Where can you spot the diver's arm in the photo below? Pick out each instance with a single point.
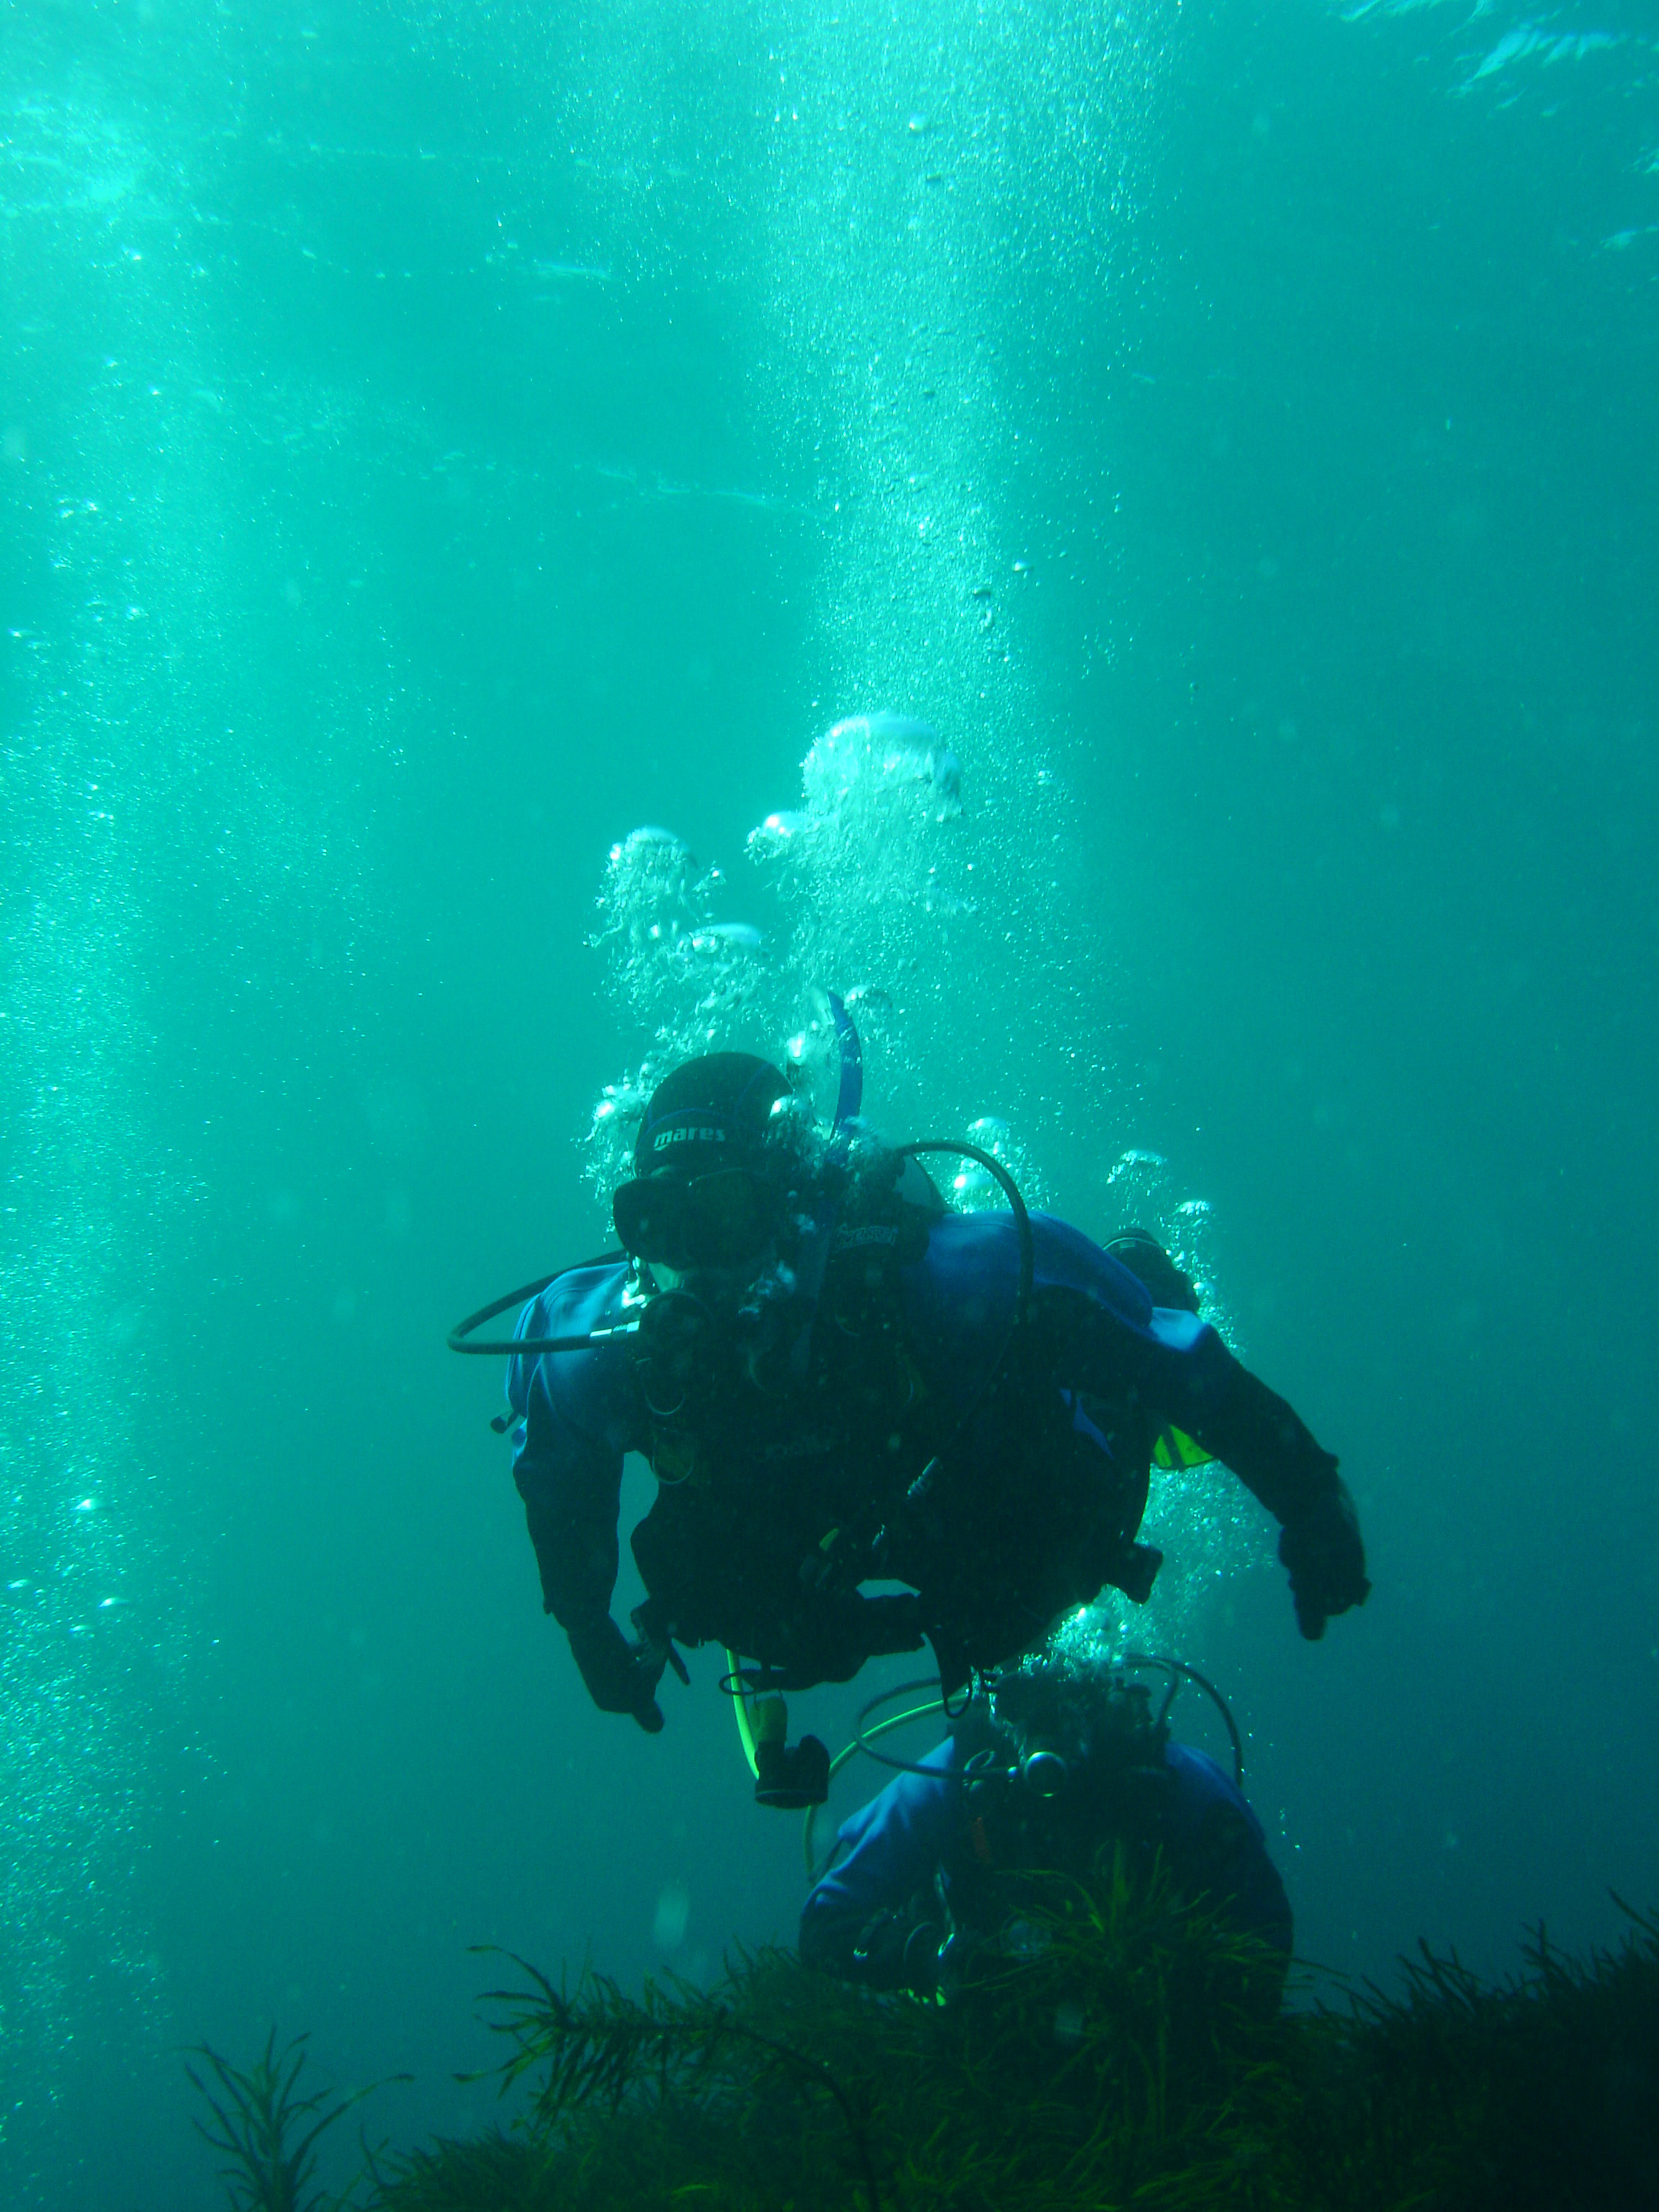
(1256, 1433)
(571, 1486)
(857, 1921)
(1176, 1365)
(1274, 1454)
(1180, 1368)
(570, 1480)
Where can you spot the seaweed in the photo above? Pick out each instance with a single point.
(266, 2130)
(488, 2173)
(602, 2046)
(1121, 2054)
(1541, 2091)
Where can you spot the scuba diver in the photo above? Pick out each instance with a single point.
(837, 1381)
(1065, 1765)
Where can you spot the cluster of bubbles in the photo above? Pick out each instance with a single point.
(671, 960)
(877, 859)
(685, 976)
(1196, 1515)
(1143, 1192)
(973, 1188)
(884, 776)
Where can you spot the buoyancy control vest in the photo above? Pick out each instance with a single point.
(776, 1447)
(786, 1484)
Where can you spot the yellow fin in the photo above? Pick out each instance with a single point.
(1176, 1448)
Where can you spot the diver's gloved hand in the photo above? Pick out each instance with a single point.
(620, 1677)
(1323, 1549)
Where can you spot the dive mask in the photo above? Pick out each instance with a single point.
(688, 1222)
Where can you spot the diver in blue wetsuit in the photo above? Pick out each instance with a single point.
(836, 1382)
(1068, 1767)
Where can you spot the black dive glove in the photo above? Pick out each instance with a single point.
(620, 1677)
(1322, 1548)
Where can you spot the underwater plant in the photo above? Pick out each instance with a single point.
(602, 2046)
(1536, 2095)
(1115, 2051)
(268, 2131)
(1118, 2042)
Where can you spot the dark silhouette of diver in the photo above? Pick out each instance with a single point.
(1063, 1767)
(838, 1381)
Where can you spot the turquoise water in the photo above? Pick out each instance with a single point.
(436, 441)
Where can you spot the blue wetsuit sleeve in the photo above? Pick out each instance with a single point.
(566, 1462)
(892, 1847)
(1106, 1333)
(1264, 1440)
(1217, 1849)
(1097, 1333)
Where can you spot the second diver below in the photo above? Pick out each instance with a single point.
(1062, 1772)
(837, 1381)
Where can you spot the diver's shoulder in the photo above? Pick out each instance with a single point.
(967, 1232)
(1061, 1247)
(997, 1226)
(1056, 1235)
(578, 1299)
(966, 1251)
(1202, 1781)
(1062, 1253)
